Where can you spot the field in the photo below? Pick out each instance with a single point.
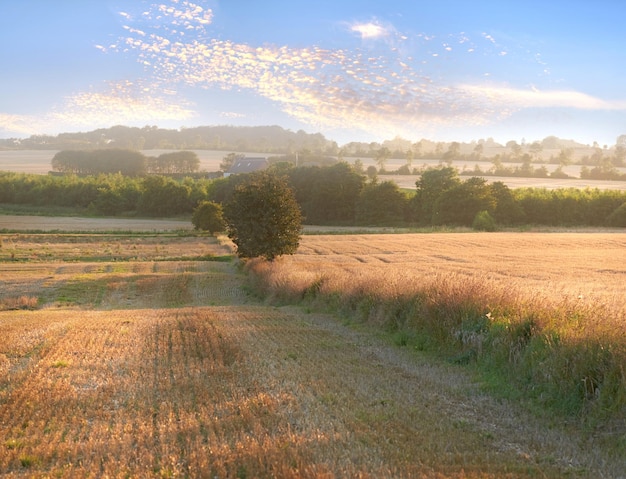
(38, 162)
(141, 355)
(583, 265)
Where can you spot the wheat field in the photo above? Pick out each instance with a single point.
(142, 356)
(588, 267)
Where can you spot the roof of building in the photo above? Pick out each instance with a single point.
(247, 165)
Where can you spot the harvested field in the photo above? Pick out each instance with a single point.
(143, 357)
(51, 223)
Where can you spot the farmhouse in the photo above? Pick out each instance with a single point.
(247, 165)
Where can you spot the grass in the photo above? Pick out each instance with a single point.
(479, 300)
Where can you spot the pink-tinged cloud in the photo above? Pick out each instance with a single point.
(118, 103)
(400, 84)
(534, 98)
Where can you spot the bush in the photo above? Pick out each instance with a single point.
(483, 221)
(208, 216)
(618, 217)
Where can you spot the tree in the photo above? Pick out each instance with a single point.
(381, 204)
(454, 152)
(507, 210)
(382, 155)
(263, 217)
(164, 196)
(208, 216)
(175, 162)
(460, 204)
(327, 195)
(229, 160)
(432, 184)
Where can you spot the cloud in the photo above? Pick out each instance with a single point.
(533, 98)
(407, 82)
(123, 102)
(370, 30)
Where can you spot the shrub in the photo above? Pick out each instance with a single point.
(483, 221)
(618, 217)
(208, 216)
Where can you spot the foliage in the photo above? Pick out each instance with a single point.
(263, 217)
(618, 217)
(332, 195)
(208, 216)
(125, 162)
(381, 204)
(163, 196)
(568, 206)
(483, 221)
(327, 195)
(507, 210)
(81, 162)
(432, 184)
(175, 162)
(459, 204)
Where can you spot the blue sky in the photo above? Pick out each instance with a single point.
(358, 70)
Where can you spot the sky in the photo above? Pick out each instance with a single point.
(362, 70)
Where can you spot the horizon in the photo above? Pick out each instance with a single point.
(352, 71)
(413, 141)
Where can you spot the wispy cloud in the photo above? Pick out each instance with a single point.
(406, 82)
(381, 87)
(371, 30)
(532, 97)
(123, 102)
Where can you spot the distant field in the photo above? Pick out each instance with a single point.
(38, 162)
(52, 223)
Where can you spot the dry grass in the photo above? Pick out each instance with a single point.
(544, 313)
(553, 265)
(164, 368)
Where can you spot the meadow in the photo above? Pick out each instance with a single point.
(143, 354)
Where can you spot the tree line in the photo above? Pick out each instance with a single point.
(330, 195)
(275, 140)
(125, 162)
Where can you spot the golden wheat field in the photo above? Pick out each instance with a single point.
(590, 267)
(141, 355)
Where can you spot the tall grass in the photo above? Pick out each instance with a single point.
(567, 356)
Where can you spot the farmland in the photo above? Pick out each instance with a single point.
(39, 162)
(140, 355)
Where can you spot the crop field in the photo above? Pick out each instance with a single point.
(141, 355)
(586, 266)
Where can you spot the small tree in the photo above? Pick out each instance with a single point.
(263, 217)
(208, 216)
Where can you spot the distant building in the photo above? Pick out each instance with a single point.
(247, 165)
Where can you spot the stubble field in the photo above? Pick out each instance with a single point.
(141, 356)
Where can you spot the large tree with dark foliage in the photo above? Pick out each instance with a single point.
(263, 217)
